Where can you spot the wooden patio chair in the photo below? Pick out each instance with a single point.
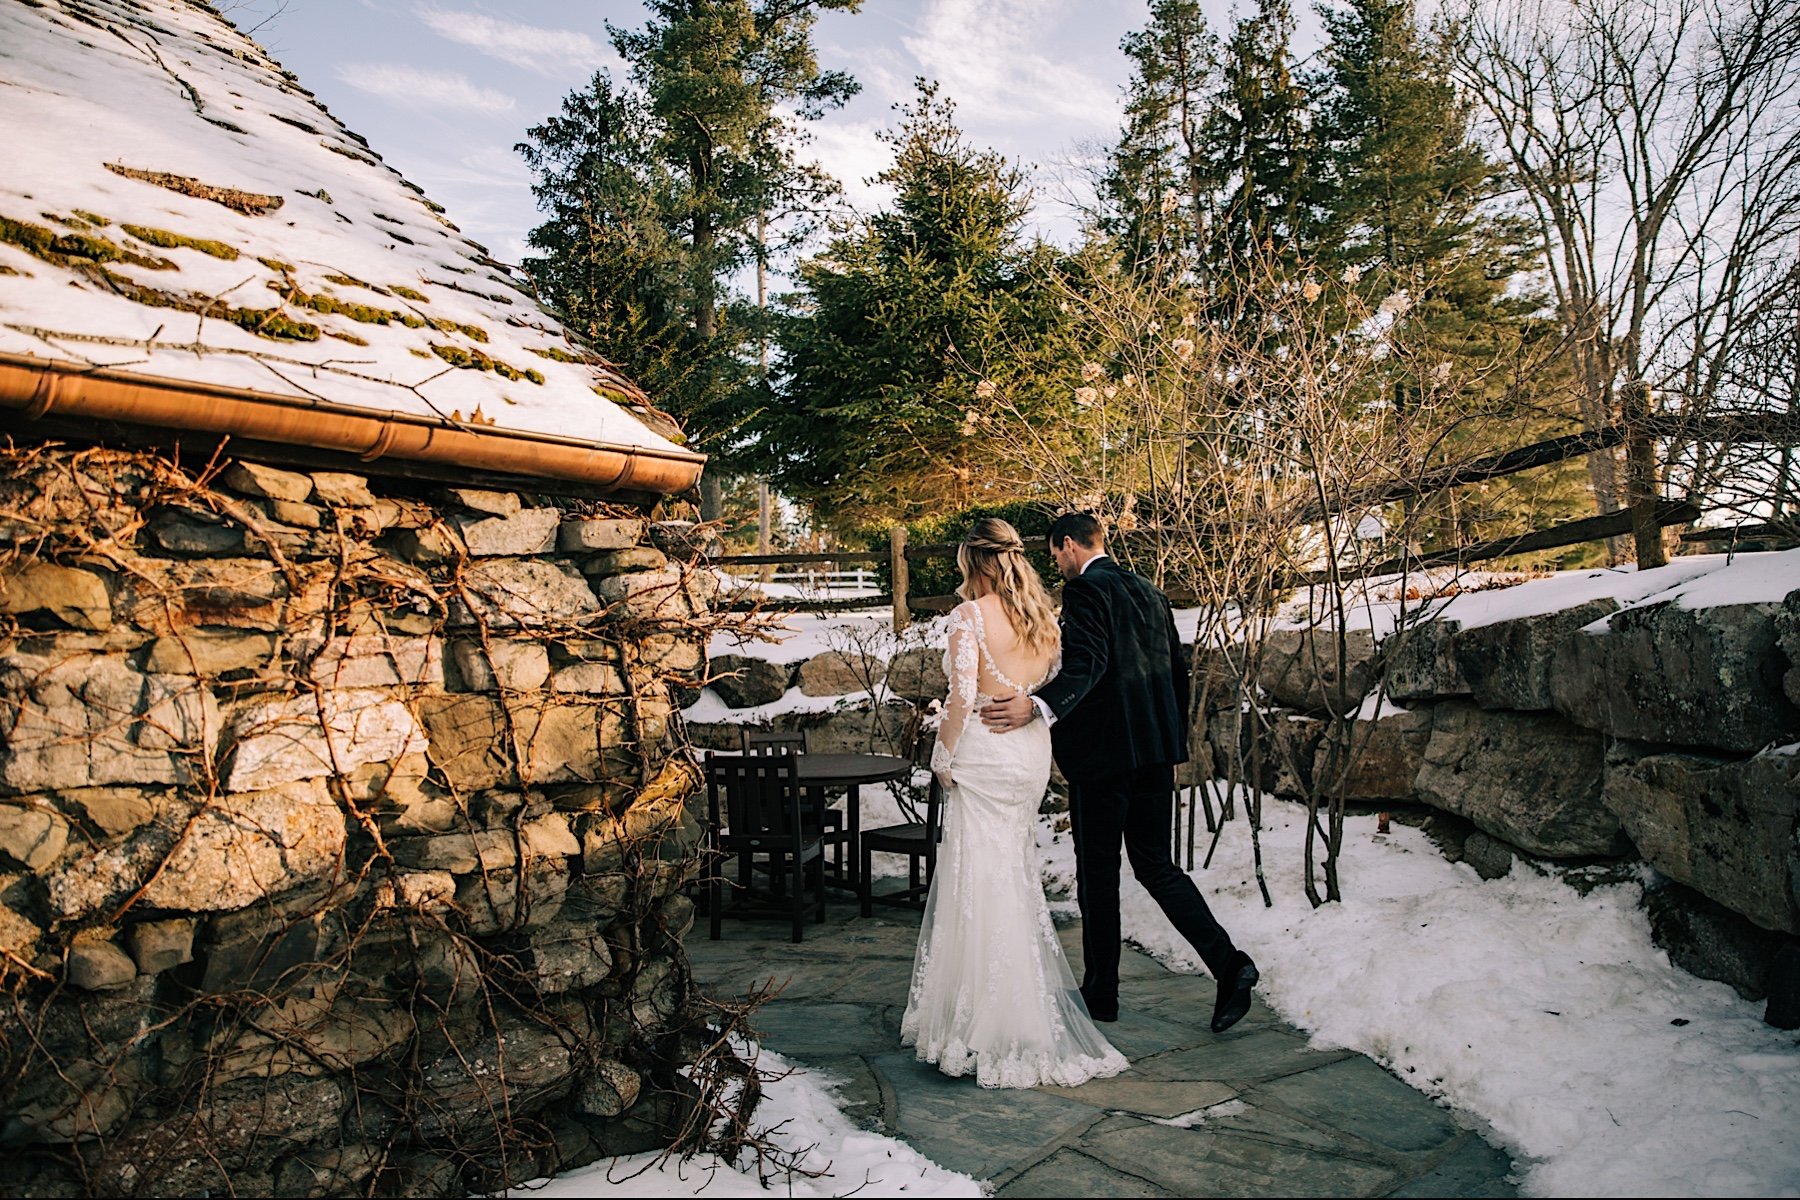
(918, 840)
(754, 808)
(831, 825)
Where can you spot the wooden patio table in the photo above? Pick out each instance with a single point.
(849, 771)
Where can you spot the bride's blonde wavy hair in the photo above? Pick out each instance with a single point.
(994, 555)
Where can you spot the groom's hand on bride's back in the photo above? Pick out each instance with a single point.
(1008, 713)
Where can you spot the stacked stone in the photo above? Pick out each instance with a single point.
(884, 720)
(1587, 734)
(342, 827)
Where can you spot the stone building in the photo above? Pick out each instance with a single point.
(343, 807)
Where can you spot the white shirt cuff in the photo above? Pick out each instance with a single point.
(1044, 711)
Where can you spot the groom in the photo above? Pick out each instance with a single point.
(1118, 723)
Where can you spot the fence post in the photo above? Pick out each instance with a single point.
(897, 570)
(1641, 491)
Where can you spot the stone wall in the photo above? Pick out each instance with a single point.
(342, 827)
(1658, 733)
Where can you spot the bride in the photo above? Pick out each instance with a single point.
(991, 991)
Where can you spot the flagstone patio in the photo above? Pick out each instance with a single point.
(1252, 1111)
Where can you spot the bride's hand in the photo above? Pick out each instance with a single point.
(943, 778)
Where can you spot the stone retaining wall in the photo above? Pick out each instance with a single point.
(342, 824)
(1662, 733)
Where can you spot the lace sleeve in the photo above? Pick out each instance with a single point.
(962, 664)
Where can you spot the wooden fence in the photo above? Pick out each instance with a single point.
(1771, 428)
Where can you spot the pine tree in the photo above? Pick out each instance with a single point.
(654, 193)
(905, 331)
(1406, 198)
(1153, 195)
(1256, 145)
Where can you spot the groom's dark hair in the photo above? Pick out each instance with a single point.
(1083, 527)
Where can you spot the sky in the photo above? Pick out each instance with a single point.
(443, 89)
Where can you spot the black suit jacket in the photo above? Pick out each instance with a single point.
(1121, 699)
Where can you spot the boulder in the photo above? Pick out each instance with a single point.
(581, 536)
(1531, 779)
(508, 593)
(1707, 677)
(80, 720)
(267, 483)
(532, 531)
(273, 741)
(745, 682)
(1385, 756)
(1707, 939)
(1419, 664)
(918, 675)
(568, 957)
(1491, 857)
(498, 900)
(72, 595)
(1787, 636)
(515, 1071)
(867, 729)
(1723, 828)
(1299, 668)
(836, 673)
(1510, 664)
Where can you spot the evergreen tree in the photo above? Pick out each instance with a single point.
(1256, 146)
(1153, 196)
(909, 328)
(1406, 198)
(654, 195)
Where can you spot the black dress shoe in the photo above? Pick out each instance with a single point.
(1108, 1015)
(1234, 995)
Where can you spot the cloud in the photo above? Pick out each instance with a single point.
(850, 151)
(419, 87)
(990, 56)
(532, 47)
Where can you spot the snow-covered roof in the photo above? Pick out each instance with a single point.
(174, 204)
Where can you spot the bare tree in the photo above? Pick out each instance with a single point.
(1658, 145)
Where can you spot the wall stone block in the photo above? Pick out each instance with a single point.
(1526, 778)
(73, 595)
(1709, 677)
(509, 593)
(1726, 828)
(580, 536)
(532, 531)
(81, 721)
(275, 741)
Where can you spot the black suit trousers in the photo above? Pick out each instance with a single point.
(1134, 807)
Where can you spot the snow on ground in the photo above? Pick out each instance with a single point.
(801, 1114)
(797, 637)
(1549, 1015)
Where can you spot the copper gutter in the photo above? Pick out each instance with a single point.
(39, 386)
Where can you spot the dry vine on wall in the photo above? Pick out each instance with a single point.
(343, 835)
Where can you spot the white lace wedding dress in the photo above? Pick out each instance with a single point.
(992, 993)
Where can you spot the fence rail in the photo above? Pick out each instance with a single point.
(1722, 427)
